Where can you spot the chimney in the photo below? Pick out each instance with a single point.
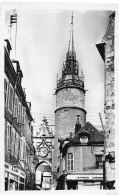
(15, 65)
(77, 125)
(70, 134)
(29, 105)
(7, 46)
(24, 93)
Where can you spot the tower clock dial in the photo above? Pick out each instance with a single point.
(43, 151)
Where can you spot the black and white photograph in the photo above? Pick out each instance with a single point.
(59, 97)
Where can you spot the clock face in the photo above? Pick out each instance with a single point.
(43, 151)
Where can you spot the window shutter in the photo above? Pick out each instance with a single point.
(12, 141)
(63, 164)
(19, 112)
(8, 135)
(16, 145)
(16, 107)
(20, 154)
(10, 102)
(24, 150)
(5, 91)
(23, 115)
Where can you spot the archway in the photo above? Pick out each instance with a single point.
(43, 178)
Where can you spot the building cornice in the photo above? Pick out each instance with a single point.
(71, 107)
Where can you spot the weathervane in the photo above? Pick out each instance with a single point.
(72, 19)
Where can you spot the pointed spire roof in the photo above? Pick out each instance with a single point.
(71, 69)
(71, 50)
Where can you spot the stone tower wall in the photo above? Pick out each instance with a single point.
(65, 120)
(70, 97)
(69, 104)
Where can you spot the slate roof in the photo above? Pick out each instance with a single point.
(84, 132)
(95, 136)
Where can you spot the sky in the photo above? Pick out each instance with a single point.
(41, 46)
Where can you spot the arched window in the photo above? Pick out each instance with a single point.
(70, 162)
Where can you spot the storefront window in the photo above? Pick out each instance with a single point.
(21, 186)
(6, 184)
(72, 185)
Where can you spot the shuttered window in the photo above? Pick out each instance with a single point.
(16, 145)
(8, 136)
(16, 107)
(19, 112)
(5, 91)
(70, 162)
(23, 115)
(24, 150)
(10, 99)
(21, 151)
(12, 141)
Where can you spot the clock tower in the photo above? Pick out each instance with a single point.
(70, 98)
(43, 143)
(43, 140)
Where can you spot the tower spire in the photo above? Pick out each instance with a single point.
(71, 39)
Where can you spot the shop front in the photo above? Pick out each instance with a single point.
(81, 181)
(14, 178)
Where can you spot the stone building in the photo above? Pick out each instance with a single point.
(43, 143)
(107, 52)
(70, 98)
(18, 131)
(81, 159)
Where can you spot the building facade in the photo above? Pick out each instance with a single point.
(70, 98)
(107, 51)
(19, 174)
(43, 142)
(81, 159)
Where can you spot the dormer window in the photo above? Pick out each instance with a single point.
(84, 137)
